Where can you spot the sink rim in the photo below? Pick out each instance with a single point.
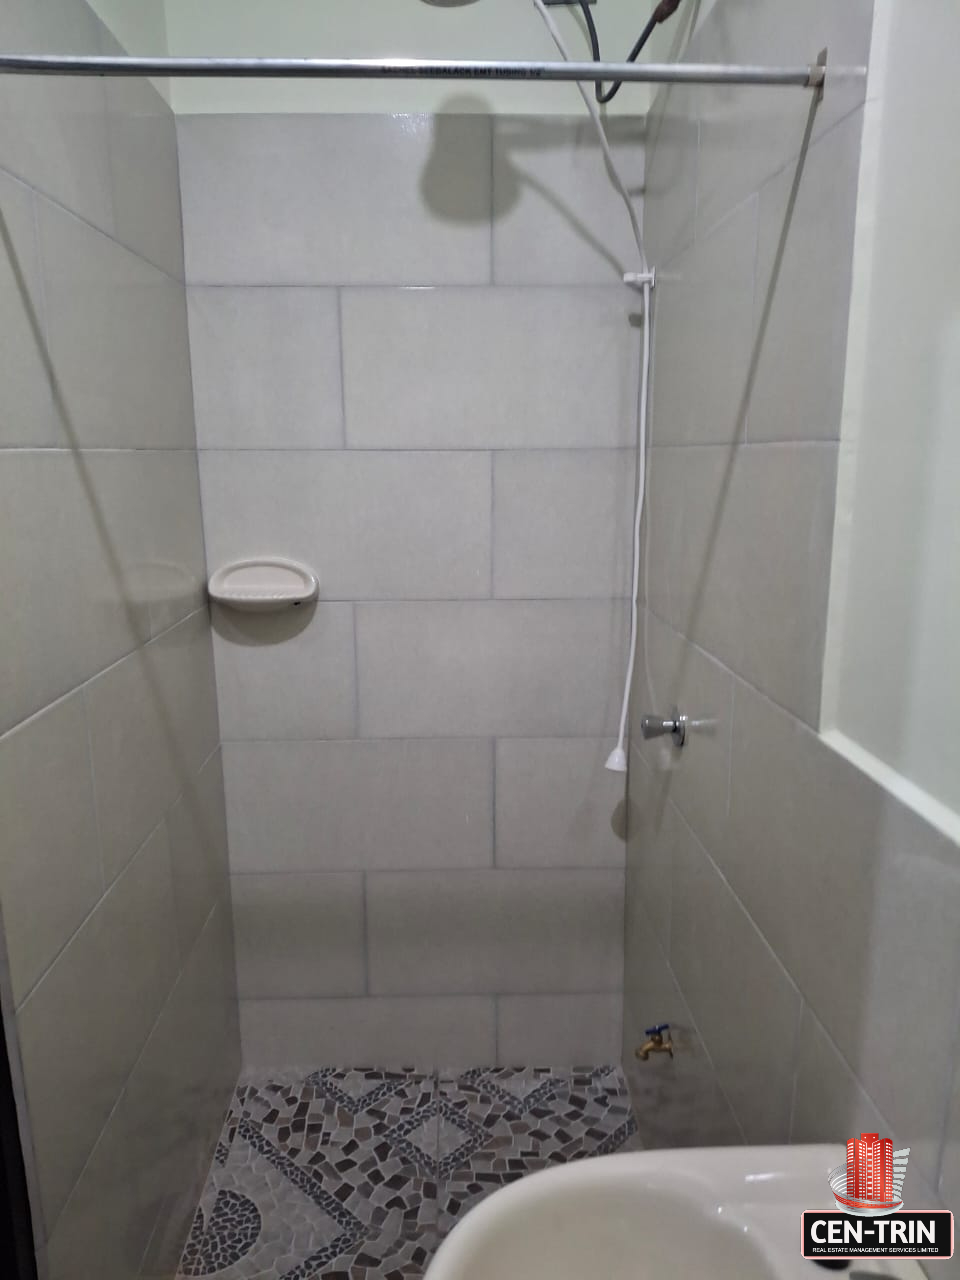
(766, 1185)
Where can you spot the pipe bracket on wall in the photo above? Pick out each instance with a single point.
(264, 586)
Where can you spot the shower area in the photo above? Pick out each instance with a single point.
(321, 923)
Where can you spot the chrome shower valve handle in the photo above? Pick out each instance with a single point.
(674, 726)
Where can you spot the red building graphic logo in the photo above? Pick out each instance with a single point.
(872, 1182)
(870, 1167)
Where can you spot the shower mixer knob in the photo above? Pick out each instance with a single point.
(674, 726)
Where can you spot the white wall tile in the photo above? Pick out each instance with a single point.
(371, 525)
(523, 668)
(950, 1173)
(179, 1090)
(299, 935)
(557, 806)
(654, 831)
(512, 932)
(423, 1032)
(670, 180)
(557, 217)
(55, 134)
(338, 806)
(872, 892)
(804, 271)
(41, 514)
(677, 1102)
(563, 523)
(718, 957)
(111, 541)
(675, 673)
(490, 368)
(704, 332)
(118, 341)
(260, 207)
(829, 1103)
(286, 675)
(748, 133)
(199, 857)
(49, 529)
(150, 1161)
(266, 368)
(126, 953)
(50, 874)
(153, 722)
(105, 1217)
(144, 506)
(564, 1031)
(740, 559)
(144, 168)
(27, 417)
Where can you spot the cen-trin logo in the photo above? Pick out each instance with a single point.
(870, 1221)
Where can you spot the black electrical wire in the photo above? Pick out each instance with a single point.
(660, 14)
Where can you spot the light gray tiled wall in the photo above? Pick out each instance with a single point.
(118, 983)
(792, 918)
(415, 368)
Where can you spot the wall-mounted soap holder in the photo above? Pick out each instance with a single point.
(263, 586)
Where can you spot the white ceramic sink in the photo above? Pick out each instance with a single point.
(723, 1212)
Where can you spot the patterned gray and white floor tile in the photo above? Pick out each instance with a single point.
(358, 1174)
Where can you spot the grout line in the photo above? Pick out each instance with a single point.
(455, 450)
(84, 710)
(84, 449)
(436, 995)
(93, 911)
(718, 872)
(356, 674)
(413, 601)
(89, 680)
(493, 801)
(733, 713)
(606, 739)
(40, 194)
(610, 285)
(366, 935)
(741, 679)
(607, 870)
(343, 376)
(51, 1227)
(492, 134)
(493, 523)
(109, 887)
(753, 446)
(795, 1084)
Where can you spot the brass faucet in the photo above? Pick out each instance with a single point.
(655, 1042)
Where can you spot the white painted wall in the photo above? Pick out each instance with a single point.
(891, 687)
(389, 28)
(139, 25)
(142, 30)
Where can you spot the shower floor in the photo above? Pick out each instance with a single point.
(359, 1174)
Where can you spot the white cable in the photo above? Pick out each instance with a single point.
(617, 760)
(594, 111)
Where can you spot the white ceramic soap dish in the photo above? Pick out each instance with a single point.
(263, 586)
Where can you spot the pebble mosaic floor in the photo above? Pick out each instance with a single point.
(358, 1174)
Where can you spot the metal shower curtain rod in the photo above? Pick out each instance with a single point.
(804, 77)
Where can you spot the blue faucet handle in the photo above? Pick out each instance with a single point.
(657, 1031)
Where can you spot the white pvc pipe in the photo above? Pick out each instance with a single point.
(617, 760)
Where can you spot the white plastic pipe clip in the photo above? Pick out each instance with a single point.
(637, 279)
